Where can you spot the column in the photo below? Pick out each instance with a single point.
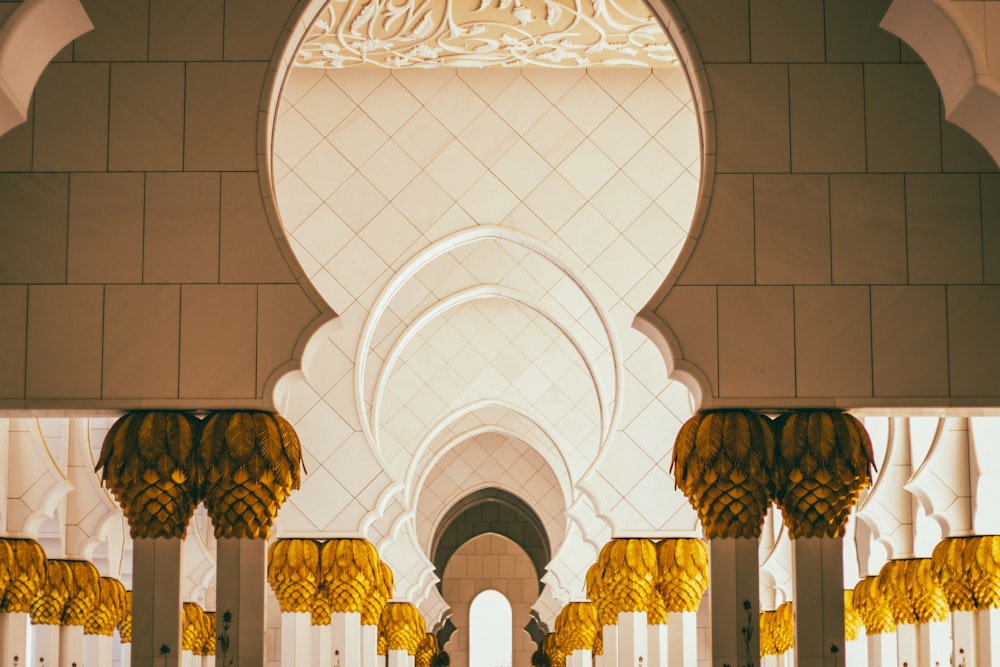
(126, 654)
(252, 463)
(576, 633)
(880, 628)
(632, 639)
(13, 637)
(296, 639)
(346, 632)
(723, 462)
(26, 562)
(964, 643)
(399, 658)
(609, 657)
(917, 601)
(682, 639)
(988, 631)
(293, 571)
(682, 582)
(823, 460)
(322, 646)
(369, 645)
(855, 651)
(71, 645)
(240, 581)
(403, 627)
(580, 658)
(158, 508)
(657, 642)
(97, 651)
(45, 645)
(156, 601)
(818, 576)
(734, 572)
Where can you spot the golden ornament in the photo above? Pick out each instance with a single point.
(193, 627)
(784, 629)
(125, 622)
(208, 634)
(403, 627)
(912, 592)
(872, 607)
(293, 572)
(110, 607)
(629, 573)
(251, 462)
(823, 462)
(607, 613)
(852, 619)
(576, 627)
(556, 653)
(349, 573)
(982, 562)
(6, 563)
(683, 568)
(377, 598)
(26, 574)
(949, 568)
(48, 606)
(768, 633)
(426, 651)
(722, 462)
(85, 597)
(150, 464)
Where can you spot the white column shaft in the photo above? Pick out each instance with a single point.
(610, 657)
(188, 659)
(13, 638)
(322, 646)
(369, 645)
(657, 642)
(632, 639)
(907, 649)
(71, 645)
(988, 632)
(45, 645)
(156, 602)
(734, 580)
(964, 643)
(882, 650)
(580, 658)
(933, 643)
(682, 639)
(296, 640)
(818, 599)
(856, 652)
(97, 649)
(125, 654)
(398, 658)
(241, 576)
(346, 639)
(768, 661)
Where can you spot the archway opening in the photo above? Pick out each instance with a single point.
(491, 637)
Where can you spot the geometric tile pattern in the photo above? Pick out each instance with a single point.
(486, 238)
